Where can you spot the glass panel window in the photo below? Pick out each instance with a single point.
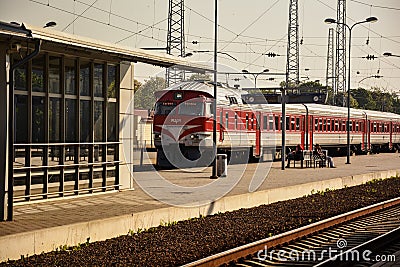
(70, 76)
(98, 80)
(38, 74)
(21, 119)
(192, 108)
(112, 122)
(54, 120)
(84, 79)
(70, 120)
(236, 121)
(98, 121)
(38, 119)
(226, 120)
(112, 74)
(265, 122)
(54, 75)
(271, 123)
(85, 121)
(20, 78)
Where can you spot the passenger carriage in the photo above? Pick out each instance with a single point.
(183, 126)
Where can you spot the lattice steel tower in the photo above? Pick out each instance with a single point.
(292, 65)
(330, 70)
(341, 51)
(175, 39)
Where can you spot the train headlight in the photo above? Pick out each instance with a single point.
(194, 136)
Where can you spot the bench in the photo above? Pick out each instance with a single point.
(319, 161)
(310, 159)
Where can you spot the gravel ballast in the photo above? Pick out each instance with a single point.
(181, 242)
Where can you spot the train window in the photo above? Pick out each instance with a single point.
(165, 108)
(226, 120)
(293, 124)
(236, 121)
(375, 128)
(328, 125)
(344, 126)
(277, 122)
(247, 121)
(351, 126)
(221, 118)
(357, 127)
(271, 123)
(193, 108)
(297, 124)
(252, 121)
(336, 125)
(315, 124)
(265, 122)
(288, 123)
(324, 125)
(209, 110)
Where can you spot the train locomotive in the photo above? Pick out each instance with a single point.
(183, 126)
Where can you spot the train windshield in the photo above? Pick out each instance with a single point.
(192, 108)
(165, 108)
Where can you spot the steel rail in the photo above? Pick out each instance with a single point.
(252, 248)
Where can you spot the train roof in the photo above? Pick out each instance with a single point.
(225, 92)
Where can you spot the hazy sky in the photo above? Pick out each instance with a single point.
(248, 29)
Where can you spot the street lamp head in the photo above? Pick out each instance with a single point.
(245, 71)
(371, 19)
(387, 54)
(330, 21)
(266, 70)
(188, 54)
(50, 24)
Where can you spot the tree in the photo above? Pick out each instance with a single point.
(144, 95)
(136, 85)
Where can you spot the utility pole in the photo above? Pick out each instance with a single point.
(330, 70)
(341, 51)
(292, 67)
(175, 39)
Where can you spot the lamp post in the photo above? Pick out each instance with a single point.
(255, 75)
(218, 52)
(388, 54)
(330, 21)
(372, 76)
(214, 166)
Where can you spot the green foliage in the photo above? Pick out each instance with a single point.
(376, 99)
(144, 95)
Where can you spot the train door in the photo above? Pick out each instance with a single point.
(258, 135)
(391, 135)
(369, 123)
(364, 142)
(303, 129)
(311, 132)
(221, 125)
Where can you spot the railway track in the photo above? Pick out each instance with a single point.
(358, 238)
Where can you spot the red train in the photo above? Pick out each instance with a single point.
(183, 124)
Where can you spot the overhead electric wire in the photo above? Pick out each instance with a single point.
(66, 27)
(383, 7)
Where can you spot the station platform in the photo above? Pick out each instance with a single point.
(43, 226)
